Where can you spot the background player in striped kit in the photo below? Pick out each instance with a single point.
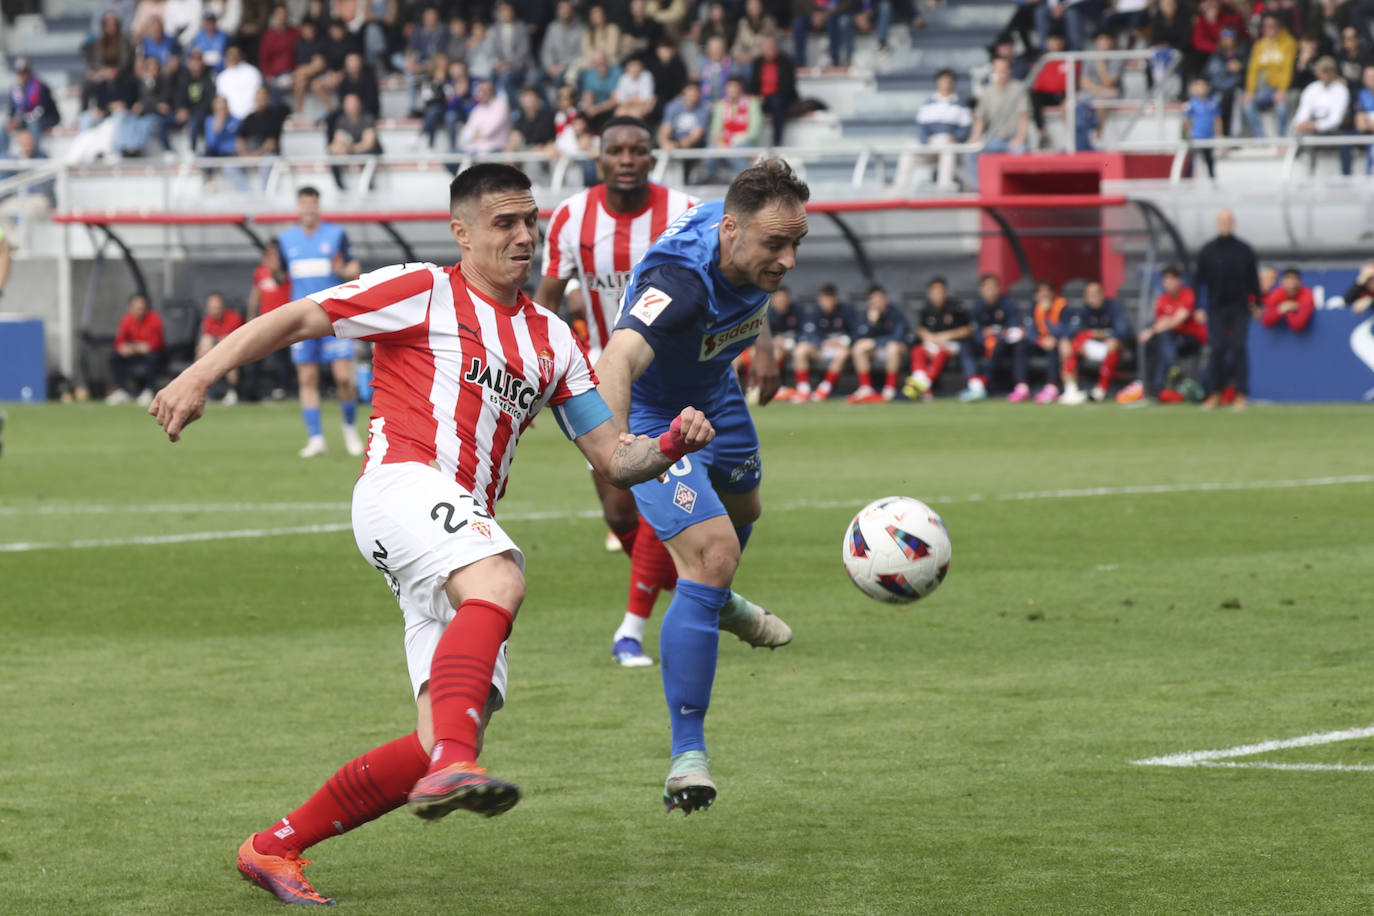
(317, 257)
(597, 236)
(465, 343)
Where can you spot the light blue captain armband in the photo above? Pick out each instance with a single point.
(581, 413)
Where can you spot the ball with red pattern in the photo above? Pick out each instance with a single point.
(897, 550)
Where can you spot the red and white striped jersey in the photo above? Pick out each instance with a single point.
(588, 241)
(455, 378)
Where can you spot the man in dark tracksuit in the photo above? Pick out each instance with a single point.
(1226, 266)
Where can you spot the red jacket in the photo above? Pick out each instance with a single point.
(1296, 320)
(148, 331)
(1167, 306)
(277, 52)
(1207, 34)
(229, 322)
(1055, 77)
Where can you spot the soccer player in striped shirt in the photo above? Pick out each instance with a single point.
(596, 237)
(463, 360)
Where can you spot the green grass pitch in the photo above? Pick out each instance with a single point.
(161, 697)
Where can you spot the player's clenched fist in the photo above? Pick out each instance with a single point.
(180, 403)
(690, 432)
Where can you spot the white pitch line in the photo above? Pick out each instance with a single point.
(169, 508)
(1208, 758)
(1015, 496)
(189, 537)
(224, 508)
(1308, 767)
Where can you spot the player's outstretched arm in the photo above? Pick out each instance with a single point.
(183, 401)
(626, 459)
(763, 368)
(625, 358)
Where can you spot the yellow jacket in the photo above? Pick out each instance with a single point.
(1275, 57)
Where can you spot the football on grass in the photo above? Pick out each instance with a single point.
(897, 550)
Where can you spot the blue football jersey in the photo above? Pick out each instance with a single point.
(310, 258)
(696, 320)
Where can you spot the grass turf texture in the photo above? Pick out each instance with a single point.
(967, 754)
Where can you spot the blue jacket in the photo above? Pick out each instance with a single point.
(1002, 315)
(890, 326)
(221, 143)
(817, 325)
(1110, 317)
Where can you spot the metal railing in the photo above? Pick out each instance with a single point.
(1155, 102)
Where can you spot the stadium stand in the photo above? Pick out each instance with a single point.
(889, 211)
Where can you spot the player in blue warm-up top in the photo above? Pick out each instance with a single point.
(317, 257)
(695, 301)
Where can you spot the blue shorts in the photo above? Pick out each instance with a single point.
(730, 464)
(321, 350)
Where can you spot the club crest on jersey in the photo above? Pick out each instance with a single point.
(513, 394)
(747, 329)
(684, 497)
(545, 365)
(482, 528)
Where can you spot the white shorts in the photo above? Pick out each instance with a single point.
(832, 347)
(417, 525)
(1094, 351)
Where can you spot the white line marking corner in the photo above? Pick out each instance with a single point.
(1222, 758)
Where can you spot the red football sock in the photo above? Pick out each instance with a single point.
(937, 365)
(865, 380)
(651, 571)
(627, 540)
(460, 678)
(802, 377)
(918, 358)
(830, 376)
(362, 790)
(1108, 368)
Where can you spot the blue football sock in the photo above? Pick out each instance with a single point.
(743, 535)
(687, 644)
(311, 415)
(350, 411)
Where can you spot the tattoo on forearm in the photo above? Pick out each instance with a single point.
(633, 462)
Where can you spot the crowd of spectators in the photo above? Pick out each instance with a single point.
(1261, 68)
(516, 74)
(1256, 67)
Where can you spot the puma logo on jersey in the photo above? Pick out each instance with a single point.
(507, 387)
(747, 329)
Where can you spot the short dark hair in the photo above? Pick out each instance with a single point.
(770, 181)
(828, 289)
(986, 277)
(308, 190)
(938, 278)
(1047, 283)
(876, 288)
(628, 121)
(1171, 271)
(475, 182)
(1293, 271)
(946, 72)
(1088, 283)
